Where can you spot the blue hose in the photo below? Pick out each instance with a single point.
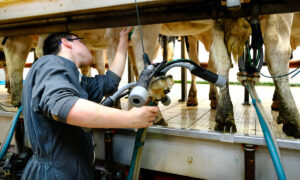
(270, 144)
(137, 145)
(11, 133)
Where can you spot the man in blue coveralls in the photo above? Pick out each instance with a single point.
(58, 103)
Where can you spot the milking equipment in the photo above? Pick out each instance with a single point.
(153, 74)
(152, 88)
(138, 95)
(249, 74)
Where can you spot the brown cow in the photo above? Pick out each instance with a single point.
(277, 33)
(17, 48)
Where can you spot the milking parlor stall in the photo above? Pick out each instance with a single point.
(229, 130)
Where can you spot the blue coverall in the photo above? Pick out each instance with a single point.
(61, 151)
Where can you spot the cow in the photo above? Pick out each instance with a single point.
(16, 50)
(276, 32)
(102, 42)
(196, 30)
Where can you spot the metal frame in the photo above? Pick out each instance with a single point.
(183, 71)
(203, 154)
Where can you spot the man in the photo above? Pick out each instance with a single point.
(58, 103)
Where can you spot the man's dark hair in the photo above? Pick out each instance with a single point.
(2, 55)
(53, 42)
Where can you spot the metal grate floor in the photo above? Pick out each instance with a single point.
(178, 115)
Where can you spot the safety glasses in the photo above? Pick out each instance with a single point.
(73, 39)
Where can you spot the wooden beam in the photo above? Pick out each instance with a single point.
(151, 12)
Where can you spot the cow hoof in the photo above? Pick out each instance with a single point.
(161, 122)
(8, 88)
(225, 124)
(189, 103)
(192, 97)
(192, 102)
(213, 104)
(274, 106)
(291, 129)
(16, 103)
(228, 127)
(280, 119)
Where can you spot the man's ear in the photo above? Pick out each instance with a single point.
(66, 43)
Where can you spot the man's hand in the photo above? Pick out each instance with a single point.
(124, 41)
(118, 63)
(144, 116)
(88, 114)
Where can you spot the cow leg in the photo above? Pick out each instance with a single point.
(133, 62)
(160, 120)
(192, 96)
(221, 59)
(40, 43)
(275, 102)
(99, 60)
(171, 47)
(193, 55)
(99, 57)
(278, 50)
(7, 83)
(86, 70)
(3, 64)
(213, 92)
(206, 39)
(150, 39)
(112, 37)
(16, 50)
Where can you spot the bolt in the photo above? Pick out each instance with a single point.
(190, 160)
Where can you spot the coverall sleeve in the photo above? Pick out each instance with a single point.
(100, 85)
(53, 92)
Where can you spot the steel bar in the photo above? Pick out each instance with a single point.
(249, 151)
(183, 71)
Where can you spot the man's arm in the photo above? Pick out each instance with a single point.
(119, 61)
(100, 85)
(88, 114)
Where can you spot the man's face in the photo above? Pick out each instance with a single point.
(81, 52)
